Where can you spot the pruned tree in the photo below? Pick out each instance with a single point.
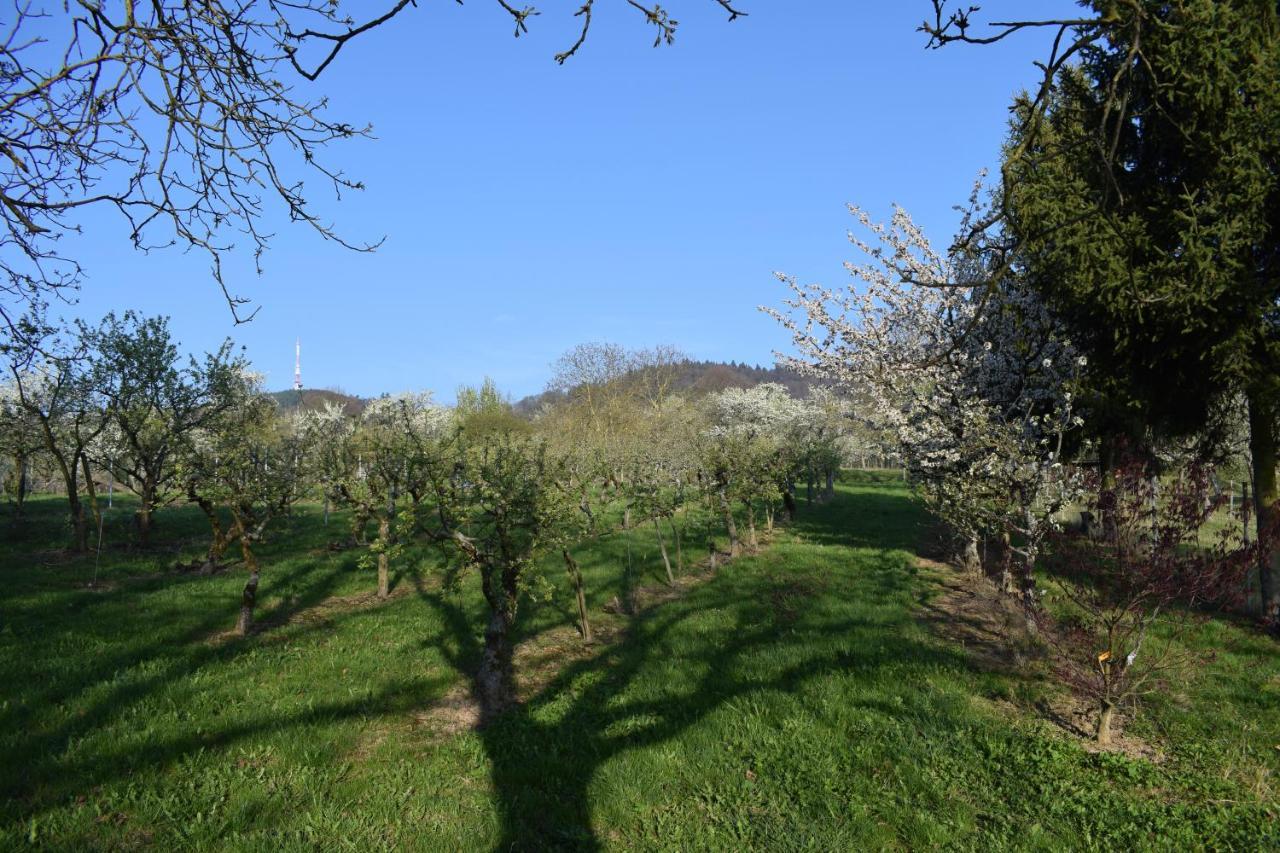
(398, 440)
(154, 397)
(55, 384)
(500, 507)
(252, 463)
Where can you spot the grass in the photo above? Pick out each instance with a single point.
(793, 700)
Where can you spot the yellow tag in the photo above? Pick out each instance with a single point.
(1103, 657)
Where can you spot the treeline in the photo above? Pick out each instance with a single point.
(698, 378)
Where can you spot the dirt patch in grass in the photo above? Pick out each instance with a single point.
(972, 613)
(539, 659)
(991, 629)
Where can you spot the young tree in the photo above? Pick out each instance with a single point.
(255, 474)
(1127, 601)
(153, 400)
(398, 440)
(745, 450)
(499, 507)
(20, 441)
(56, 386)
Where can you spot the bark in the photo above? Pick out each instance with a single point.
(768, 518)
(92, 493)
(79, 524)
(675, 533)
(495, 682)
(789, 504)
(249, 597)
(662, 546)
(732, 528)
(752, 542)
(21, 461)
(1263, 414)
(146, 511)
(970, 561)
(384, 574)
(359, 525)
(579, 591)
(70, 479)
(1104, 724)
(1006, 565)
(808, 490)
(626, 517)
(219, 540)
(830, 492)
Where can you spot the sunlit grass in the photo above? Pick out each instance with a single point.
(791, 701)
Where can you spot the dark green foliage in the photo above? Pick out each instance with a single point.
(1145, 207)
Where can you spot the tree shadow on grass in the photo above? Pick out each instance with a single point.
(671, 671)
(175, 646)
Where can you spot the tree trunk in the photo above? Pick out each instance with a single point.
(1104, 724)
(1263, 414)
(675, 534)
(218, 540)
(830, 493)
(662, 546)
(359, 523)
(21, 462)
(575, 578)
(249, 597)
(730, 526)
(79, 524)
(1107, 486)
(1006, 565)
(626, 517)
(970, 561)
(384, 540)
(495, 681)
(146, 510)
(789, 503)
(751, 526)
(808, 490)
(92, 493)
(768, 517)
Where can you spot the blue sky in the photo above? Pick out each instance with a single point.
(635, 195)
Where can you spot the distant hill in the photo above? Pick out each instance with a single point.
(701, 377)
(311, 399)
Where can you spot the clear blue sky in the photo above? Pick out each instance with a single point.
(635, 195)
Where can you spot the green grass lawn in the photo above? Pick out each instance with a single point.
(792, 701)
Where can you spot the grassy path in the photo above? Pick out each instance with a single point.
(793, 701)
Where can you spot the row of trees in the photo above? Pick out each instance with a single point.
(500, 494)
(1101, 333)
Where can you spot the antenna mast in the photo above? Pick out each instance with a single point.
(297, 365)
